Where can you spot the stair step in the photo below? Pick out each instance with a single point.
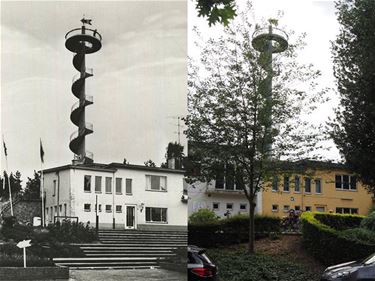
(116, 267)
(129, 255)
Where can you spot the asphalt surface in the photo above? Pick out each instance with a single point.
(126, 275)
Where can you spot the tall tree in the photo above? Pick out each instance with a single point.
(231, 118)
(221, 11)
(15, 184)
(354, 67)
(32, 189)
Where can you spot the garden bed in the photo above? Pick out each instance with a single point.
(34, 273)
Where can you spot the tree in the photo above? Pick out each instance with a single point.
(15, 184)
(150, 163)
(216, 10)
(229, 121)
(174, 151)
(353, 129)
(32, 189)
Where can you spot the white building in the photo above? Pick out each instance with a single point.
(223, 199)
(123, 196)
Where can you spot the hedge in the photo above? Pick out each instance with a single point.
(230, 231)
(330, 245)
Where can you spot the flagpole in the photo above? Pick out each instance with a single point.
(42, 190)
(6, 171)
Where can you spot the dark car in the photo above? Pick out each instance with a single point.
(200, 266)
(351, 271)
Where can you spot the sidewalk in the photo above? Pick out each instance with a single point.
(126, 275)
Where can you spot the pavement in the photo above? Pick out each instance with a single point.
(126, 275)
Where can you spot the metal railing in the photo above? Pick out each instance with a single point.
(88, 72)
(88, 31)
(76, 134)
(79, 103)
(275, 31)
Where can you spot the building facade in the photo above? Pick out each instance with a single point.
(123, 196)
(323, 187)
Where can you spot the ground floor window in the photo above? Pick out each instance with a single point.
(275, 208)
(308, 208)
(286, 208)
(321, 209)
(342, 210)
(215, 206)
(87, 207)
(108, 208)
(118, 208)
(243, 207)
(156, 214)
(229, 206)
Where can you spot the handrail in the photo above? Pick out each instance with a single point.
(89, 71)
(275, 31)
(76, 134)
(79, 103)
(74, 32)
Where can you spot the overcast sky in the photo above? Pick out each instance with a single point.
(315, 18)
(139, 81)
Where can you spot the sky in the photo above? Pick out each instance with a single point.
(315, 18)
(139, 82)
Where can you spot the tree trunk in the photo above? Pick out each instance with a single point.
(251, 248)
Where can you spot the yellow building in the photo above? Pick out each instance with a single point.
(324, 187)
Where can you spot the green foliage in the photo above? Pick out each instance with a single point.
(369, 222)
(203, 216)
(15, 184)
(150, 163)
(32, 189)
(354, 68)
(240, 266)
(233, 230)
(359, 235)
(72, 232)
(216, 10)
(331, 246)
(339, 221)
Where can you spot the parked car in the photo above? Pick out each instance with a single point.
(200, 267)
(351, 271)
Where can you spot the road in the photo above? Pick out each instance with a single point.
(126, 275)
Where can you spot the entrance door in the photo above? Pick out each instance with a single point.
(130, 217)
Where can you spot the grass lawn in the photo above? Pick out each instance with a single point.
(282, 259)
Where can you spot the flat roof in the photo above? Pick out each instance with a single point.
(112, 167)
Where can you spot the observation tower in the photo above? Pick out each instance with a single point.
(81, 41)
(269, 41)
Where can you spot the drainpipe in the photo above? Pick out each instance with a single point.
(113, 201)
(58, 193)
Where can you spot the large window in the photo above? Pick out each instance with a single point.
(342, 210)
(156, 183)
(228, 177)
(346, 182)
(98, 184)
(275, 184)
(54, 188)
(286, 184)
(156, 214)
(118, 185)
(307, 185)
(318, 186)
(87, 183)
(128, 187)
(297, 184)
(108, 185)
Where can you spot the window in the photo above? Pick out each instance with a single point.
(275, 184)
(297, 187)
(275, 208)
(286, 208)
(87, 183)
(286, 184)
(215, 206)
(129, 189)
(118, 185)
(297, 208)
(156, 214)
(229, 206)
(108, 208)
(87, 207)
(118, 209)
(308, 208)
(98, 184)
(346, 182)
(156, 183)
(320, 209)
(108, 185)
(307, 185)
(243, 207)
(99, 208)
(64, 209)
(60, 209)
(318, 186)
(341, 210)
(54, 188)
(228, 177)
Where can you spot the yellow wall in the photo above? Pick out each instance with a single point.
(330, 198)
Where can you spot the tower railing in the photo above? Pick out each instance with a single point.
(78, 31)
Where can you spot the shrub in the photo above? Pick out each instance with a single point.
(369, 222)
(203, 216)
(72, 232)
(230, 231)
(329, 245)
(360, 235)
(339, 221)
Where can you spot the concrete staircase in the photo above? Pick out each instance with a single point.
(127, 249)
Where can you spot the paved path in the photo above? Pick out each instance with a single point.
(126, 275)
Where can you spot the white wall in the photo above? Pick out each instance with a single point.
(199, 198)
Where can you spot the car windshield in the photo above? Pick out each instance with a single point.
(369, 260)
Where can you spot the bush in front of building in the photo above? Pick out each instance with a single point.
(339, 221)
(369, 222)
(332, 245)
(203, 216)
(229, 231)
(72, 232)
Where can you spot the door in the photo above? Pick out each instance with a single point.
(130, 217)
